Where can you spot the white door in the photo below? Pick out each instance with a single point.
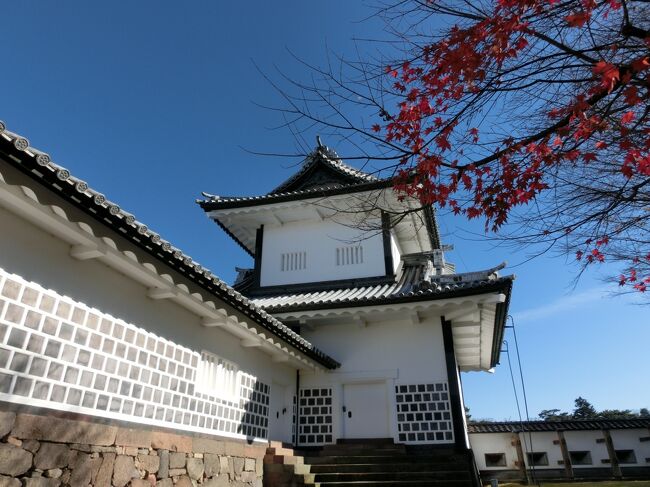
(365, 411)
(279, 414)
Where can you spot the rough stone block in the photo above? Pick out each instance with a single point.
(164, 483)
(14, 461)
(220, 481)
(14, 441)
(248, 476)
(195, 468)
(225, 465)
(52, 455)
(124, 471)
(211, 464)
(6, 422)
(131, 451)
(32, 427)
(41, 482)
(206, 445)
(31, 445)
(169, 441)
(234, 449)
(184, 481)
(249, 464)
(140, 483)
(150, 463)
(238, 464)
(163, 469)
(85, 470)
(9, 482)
(177, 460)
(255, 451)
(81, 447)
(54, 473)
(175, 472)
(105, 471)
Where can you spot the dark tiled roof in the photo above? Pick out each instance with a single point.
(38, 166)
(297, 187)
(328, 157)
(415, 282)
(566, 425)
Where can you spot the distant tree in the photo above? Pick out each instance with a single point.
(553, 415)
(583, 409)
(617, 414)
(467, 415)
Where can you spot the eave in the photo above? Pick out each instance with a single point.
(198, 286)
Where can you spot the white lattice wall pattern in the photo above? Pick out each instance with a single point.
(423, 413)
(58, 353)
(315, 417)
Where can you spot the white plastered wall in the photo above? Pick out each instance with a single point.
(591, 441)
(396, 352)
(486, 443)
(319, 240)
(36, 256)
(631, 440)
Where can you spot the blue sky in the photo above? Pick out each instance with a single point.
(154, 102)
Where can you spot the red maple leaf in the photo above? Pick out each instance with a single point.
(609, 74)
(627, 117)
(577, 19)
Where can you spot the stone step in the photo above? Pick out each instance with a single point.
(281, 467)
(387, 467)
(403, 459)
(386, 476)
(287, 460)
(280, 451)
(336, 450)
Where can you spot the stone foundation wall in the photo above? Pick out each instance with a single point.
(48, 451)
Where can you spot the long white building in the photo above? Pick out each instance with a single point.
(350, 325)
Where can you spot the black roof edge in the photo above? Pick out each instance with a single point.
(232, 235)
(533, 426)
(432, 226)
(500, 327)
(28, 165)
(209, 205)
(504, 283)
(319, 286)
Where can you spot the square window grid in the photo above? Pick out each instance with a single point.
(423, 413)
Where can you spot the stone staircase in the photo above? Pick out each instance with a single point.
(371, 463)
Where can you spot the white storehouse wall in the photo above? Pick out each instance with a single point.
(38, 267)
(592, 441)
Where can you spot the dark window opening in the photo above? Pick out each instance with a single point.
(537, 458)
(625, 456)
(580, 458)
(495, 459)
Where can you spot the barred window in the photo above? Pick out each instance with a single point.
(216, 376)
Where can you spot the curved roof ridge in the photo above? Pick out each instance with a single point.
(58, 179)
(328, 156)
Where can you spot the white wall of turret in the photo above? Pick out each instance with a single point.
(315, 251)
(399, 362)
